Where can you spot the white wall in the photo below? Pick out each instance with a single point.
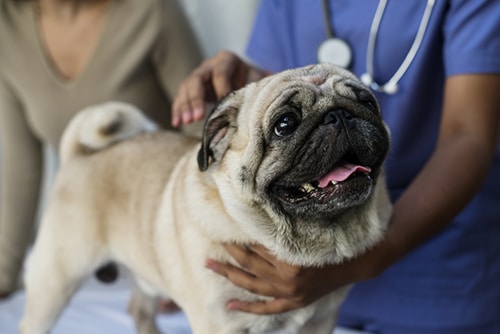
(221, 24)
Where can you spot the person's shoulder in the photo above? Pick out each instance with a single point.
(11, 10)
(157, 12)
(14, 18)
(145, 6)
(146, 11)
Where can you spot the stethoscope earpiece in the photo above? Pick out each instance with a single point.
(389, 88)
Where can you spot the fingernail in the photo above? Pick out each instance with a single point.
(187, 117)
(198, 113)
(175, 120)
(210, 264)
(233, 305)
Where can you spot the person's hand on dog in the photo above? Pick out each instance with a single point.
(290, 287)
(211, 81)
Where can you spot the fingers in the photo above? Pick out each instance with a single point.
(263, 252)
(225, 70)
(212, 80)
(277, 271)
(280, 303)
(256, 274)
(241, 278)
(273, 306)
(262, 274)
(189, 103)
(251, 261)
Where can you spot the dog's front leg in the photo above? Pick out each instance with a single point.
(325, 310)
(325, 325)
(142, 308)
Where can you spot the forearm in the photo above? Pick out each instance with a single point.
(21, 178)
(443, 188)
(467, 143)
(21, 173)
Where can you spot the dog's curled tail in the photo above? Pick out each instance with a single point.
(97, 127)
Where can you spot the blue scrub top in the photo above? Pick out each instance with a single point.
(453, 279)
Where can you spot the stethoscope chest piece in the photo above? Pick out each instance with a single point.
(335, 51)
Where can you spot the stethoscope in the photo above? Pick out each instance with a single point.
(335, 50)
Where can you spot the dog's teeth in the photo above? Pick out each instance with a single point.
(307, 187)
(333, 182)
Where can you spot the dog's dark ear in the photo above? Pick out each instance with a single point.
(217, 132)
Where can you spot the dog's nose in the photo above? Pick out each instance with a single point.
(339, 118)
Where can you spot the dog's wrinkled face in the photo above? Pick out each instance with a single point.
(309, 145)
(329, 143)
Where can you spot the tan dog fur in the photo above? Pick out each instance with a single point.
(133, 194)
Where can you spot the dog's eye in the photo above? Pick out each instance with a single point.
(286, 125)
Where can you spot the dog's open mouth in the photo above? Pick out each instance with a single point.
(345, 177)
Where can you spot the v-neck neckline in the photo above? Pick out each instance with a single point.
(47, 60)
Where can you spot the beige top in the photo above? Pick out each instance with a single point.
(145, 50)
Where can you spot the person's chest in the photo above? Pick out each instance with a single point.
(68, 44)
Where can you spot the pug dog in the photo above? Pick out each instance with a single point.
(293, 162)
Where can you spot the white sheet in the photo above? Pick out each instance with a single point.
(97, 308)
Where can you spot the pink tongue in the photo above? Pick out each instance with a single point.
(341, 173)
